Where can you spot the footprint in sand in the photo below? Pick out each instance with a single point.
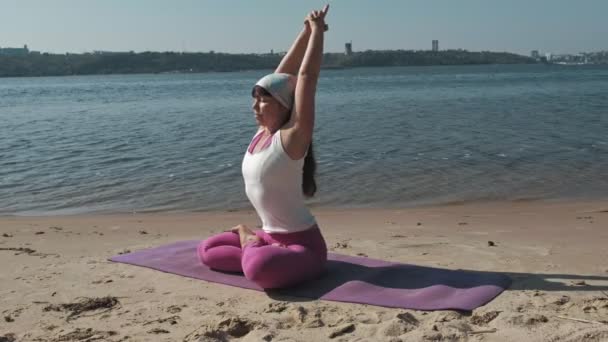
(447, 316)
(11, 315)
(395, 328)
(157, 331)
(484, 318)
(367, 318)
(309, 320)
(402, 324)
(342, 330)
(341, 245)
(259, 335)
(147, 290)
(84, 334)
(296, 316)
(596, 305)
(299, 314)
(528, 320)
(443, 336)
(9, 337)
(562, 300)
(236, 327)
(276, 307)
(174, 309)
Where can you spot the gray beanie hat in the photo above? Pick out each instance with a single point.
(281, 86)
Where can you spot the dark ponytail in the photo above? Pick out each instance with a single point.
(309, 186)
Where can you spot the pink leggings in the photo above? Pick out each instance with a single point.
(302, 257)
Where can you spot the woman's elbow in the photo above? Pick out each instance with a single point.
(308, 74)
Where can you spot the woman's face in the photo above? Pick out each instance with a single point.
(269, 113)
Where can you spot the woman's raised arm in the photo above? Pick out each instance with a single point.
(301, 123)
(290, 64)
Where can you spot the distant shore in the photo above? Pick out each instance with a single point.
(176, 62)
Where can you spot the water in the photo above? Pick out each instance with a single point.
(384, 137)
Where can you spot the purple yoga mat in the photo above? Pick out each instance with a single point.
(348, 279)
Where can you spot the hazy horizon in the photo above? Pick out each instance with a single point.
(238, 26)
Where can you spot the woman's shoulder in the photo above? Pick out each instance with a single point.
(294, 146)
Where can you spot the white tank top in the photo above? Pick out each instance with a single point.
(273, 183)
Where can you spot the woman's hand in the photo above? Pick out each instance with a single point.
(316, 19)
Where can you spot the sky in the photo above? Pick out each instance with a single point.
(258, 26)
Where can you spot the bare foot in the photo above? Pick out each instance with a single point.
(246, 235)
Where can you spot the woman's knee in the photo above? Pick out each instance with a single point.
(223, 257)
(218, 246)
(275, 271)
(268, 277)
(221, 239)
(274, 278)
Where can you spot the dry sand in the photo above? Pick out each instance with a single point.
(556, 253)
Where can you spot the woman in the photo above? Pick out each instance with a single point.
(278, 170)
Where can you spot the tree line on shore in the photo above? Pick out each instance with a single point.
(176, 62)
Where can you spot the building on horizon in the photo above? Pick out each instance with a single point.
(348, 48)
(534, 54)
(435, 45)
(14, 51)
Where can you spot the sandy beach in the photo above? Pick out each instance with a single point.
(555, 252)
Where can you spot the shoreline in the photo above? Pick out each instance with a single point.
(313, 207)
(554, 252)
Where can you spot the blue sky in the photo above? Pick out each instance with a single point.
(235, 26)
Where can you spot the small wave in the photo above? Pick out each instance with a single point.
(119, 147)
(120, 160)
